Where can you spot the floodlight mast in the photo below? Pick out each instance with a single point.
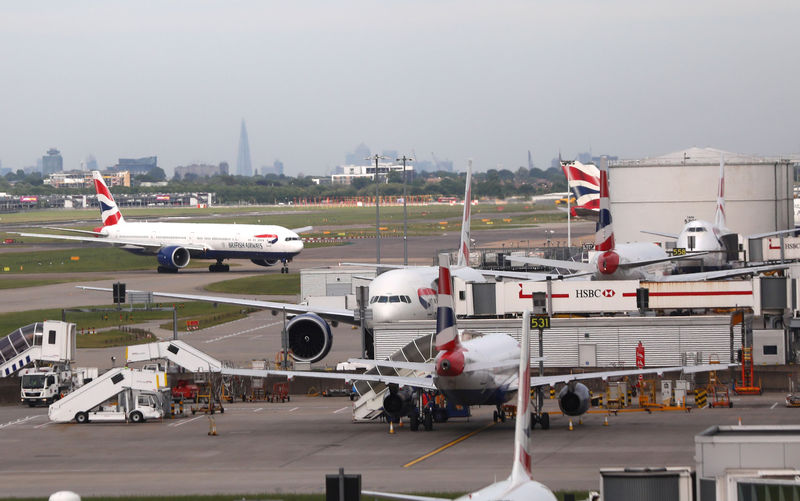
(377, 157)
(405, 159)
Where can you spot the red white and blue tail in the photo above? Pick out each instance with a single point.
(521, 469)
(604, 236)
(719, 215)
(446, 333)
(583, 181)
(109, 212)
(463, 249)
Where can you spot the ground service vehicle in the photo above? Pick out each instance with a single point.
(185, 390)
(44, 385)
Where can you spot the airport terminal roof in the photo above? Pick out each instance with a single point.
(704, 156)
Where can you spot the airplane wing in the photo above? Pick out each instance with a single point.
(668, 235)
(772, 233)
(417, 382)
(304, 229)
(526, 275)
(566, 378)
(555, 263)
(344, 316)
(402, 497)
(87, 232)
(395, 364)
(714, 275)
(107, 240)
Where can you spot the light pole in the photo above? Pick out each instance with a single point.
(377, 157)
(405, 213)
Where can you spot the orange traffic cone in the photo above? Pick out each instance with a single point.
(570, 425)
(391, 427)
(605, 421)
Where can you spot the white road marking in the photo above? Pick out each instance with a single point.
(20, 420)
(259, 409)
(43, 425)
(340, 410)
(184, 422)
(774, 405)
(241, 332)
(293, 409)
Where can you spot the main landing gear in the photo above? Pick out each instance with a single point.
(285, 266)
(499, 414)
(543, 418)
(219, 267)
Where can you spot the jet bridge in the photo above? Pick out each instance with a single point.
(104, 388)
(48, 341)
(178, 352)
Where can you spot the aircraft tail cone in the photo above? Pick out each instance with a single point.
(570, 425)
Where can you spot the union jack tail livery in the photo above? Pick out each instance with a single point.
(521, 469)
(604, 236)
(463, 249)
(109, 212)
(719, 216)
(446, 333)
(583, 181)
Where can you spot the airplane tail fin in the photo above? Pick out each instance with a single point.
(719, 216)
(583, 181)
(446, 333)
(463, 249)
(109, 212)
(604, 235)
(521, 469)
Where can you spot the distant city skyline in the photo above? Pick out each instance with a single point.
(484, 81)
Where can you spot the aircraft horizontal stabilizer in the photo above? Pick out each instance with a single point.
(416, 382)
(401, 497)
(555, 263)
(395, 364)
(660, 234)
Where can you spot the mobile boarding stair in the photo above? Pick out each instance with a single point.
(369, 405)
(178, 352)
(104, 388)
(48, 341)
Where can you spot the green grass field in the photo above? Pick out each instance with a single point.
(263, 284)
(114, 337)
(113, 318)
(19, 283)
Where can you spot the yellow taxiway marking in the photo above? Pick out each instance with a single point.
(447, 445)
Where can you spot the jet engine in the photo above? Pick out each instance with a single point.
(173, 257)
(310, 337)
(398, 402)
(264, 262)
(574, 399)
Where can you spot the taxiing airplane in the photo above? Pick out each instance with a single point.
(520, 485)
(631, 261)
(174, 244)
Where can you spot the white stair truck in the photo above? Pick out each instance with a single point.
(121, 394)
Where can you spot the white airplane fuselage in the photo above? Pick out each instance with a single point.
(410, 293)
(493, 386)
(213, 241)
(608, 262)
(703, 236)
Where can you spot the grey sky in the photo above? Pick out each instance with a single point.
(487, 80)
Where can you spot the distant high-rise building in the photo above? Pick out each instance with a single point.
(276, 168)
(243, 165)
(52, 162)
(91, 163)
(136, 166)
(358, 156)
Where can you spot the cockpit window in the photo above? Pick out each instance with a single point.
(406, 299)
(373, 299)
(394, 299)
(383, 299)
(289, 239)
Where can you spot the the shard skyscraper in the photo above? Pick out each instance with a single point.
(243, 165)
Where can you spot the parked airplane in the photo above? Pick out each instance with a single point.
(174, 244)
(630, 261)
(471, 369)
(520, 485)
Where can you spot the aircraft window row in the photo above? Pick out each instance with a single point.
(289, 239)
(390, 299)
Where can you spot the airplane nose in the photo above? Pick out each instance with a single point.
(450, 363)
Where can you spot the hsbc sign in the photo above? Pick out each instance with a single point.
(573, 296)
(594, 293)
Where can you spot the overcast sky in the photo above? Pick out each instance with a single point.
(312, 79)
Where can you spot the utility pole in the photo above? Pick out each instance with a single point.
(405, 212)
(377, 157)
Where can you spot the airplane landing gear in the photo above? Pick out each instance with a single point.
(499, 415)
(537, 416)
(219, 267)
